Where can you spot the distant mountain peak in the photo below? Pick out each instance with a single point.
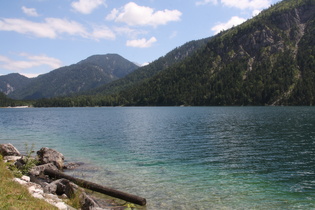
(11, 82)
(87, 74)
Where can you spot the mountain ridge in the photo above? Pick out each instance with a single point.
(10, 82)
(255, 63)
(87, 74)
(145, 72)
(267, 60)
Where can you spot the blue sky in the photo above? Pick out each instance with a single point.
(38, 36)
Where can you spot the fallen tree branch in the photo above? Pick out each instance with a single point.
(98, 188)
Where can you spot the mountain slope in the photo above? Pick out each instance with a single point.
(85, 75)
(145, 72)
(114, 64)
(12, 82)
(269, 60)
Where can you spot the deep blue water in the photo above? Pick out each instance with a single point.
(182, 157)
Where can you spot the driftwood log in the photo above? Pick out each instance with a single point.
(98, 188)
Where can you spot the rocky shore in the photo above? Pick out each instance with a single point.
(53, 191)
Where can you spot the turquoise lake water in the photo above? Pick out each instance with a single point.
(182, 157)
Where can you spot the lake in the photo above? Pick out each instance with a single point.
(182, 157)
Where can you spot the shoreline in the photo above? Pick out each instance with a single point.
(16, 107)
(37, 181)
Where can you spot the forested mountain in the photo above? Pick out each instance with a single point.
(12, 82)
(114, 64)
(268, 60)
(145, 72)
(87, 74)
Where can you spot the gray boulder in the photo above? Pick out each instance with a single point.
(47, 155)
(9, 150)
(64, 186)
(87, 203)
(60, 187)
(39, 170)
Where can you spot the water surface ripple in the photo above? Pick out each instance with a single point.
(183, 157)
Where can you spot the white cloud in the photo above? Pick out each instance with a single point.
(113, 14)
(28, 61)
(256, 12)
(30, 11)
(54, 27)
(103, 32)
(27, 27)
(240, 4)
(135, 15)
(247, 4)
(173, 35)
(204, 2)
(48, 29)
(129, 32)
(29, 75)
(234, 21)
(87, 6)
(141, 43)
(145, 64)
(61, 26)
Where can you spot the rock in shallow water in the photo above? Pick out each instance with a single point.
(72, 166)
(47, 155)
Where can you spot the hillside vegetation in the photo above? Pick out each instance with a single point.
(175, 56)
(268, 60)
(14, 196)
(8, 102)
(11, 82)
(87, 74)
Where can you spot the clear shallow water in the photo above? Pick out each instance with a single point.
(183, 157)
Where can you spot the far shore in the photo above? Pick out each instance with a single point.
(17, 107)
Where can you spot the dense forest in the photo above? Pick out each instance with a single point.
(8, 102)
